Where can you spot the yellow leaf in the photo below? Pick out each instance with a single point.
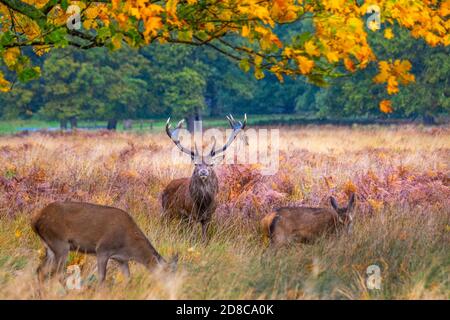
(152, 25)
(258, 60)
(5, 85)
(245, 31)
(384, 73)
(210, 27)
(87, 24)
(135, 12)
(332, 56)
(392, 86)
(311, 49)
(18, 233)
(305, 65)
(388, 34)
(259, 74)
(91, 12)
(10, 56)
(386, 106)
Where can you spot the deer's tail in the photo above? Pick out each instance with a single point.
(268, 224)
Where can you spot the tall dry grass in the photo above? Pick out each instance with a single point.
(401, 175)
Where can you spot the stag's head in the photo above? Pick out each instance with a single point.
(204, 163)
(345, 214)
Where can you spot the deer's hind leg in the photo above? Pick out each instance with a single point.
(54, 261)
(102, 263)
(46, 265)
(124, 267)
(279, 239)
(61, 250)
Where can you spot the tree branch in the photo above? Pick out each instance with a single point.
(26, 9)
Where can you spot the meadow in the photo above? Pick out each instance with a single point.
(401, 175)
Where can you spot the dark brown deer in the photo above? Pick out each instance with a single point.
(305, 224)
(193, 199)
(107, 232)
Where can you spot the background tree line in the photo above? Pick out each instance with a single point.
(185, 81)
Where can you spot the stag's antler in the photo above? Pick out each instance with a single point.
(237, 127)
(173, 135)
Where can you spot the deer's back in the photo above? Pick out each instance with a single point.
(85, 225)
(305, 223)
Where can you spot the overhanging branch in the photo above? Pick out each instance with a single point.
(26, 9)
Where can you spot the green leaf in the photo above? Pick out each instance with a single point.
(103, 33)
(29, 73)
(318, 80)
(57, 37)
(185, 35)
(202, 35)
(64, 5)
(6, 38)
(299, 40)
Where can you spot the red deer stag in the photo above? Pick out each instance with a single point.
(305, 224)
(107, 232)
(193, 198)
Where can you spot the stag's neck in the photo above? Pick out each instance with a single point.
(204, 192)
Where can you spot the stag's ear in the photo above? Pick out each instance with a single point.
(334, 203)
(351, 202)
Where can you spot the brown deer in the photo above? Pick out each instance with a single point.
(107, 232)
(305, 223)
(193, 199)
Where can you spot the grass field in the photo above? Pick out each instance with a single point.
(15, 126)
(401, 176)
(155, 125)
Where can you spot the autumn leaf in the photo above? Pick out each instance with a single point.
(305, 65)
(5, 85)
(311, 49)
(338, 30)
(332, 56)
(18, 233)
(393, 73)
(116, 40)
(392, 85)
(388, 34)
(386, 106)
(245, 31)
(349, 65)
(10, 56)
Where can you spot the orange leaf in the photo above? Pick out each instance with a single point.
(386, 106)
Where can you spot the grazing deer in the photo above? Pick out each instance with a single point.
(193, 198)
(107, 232)
(305, 223)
